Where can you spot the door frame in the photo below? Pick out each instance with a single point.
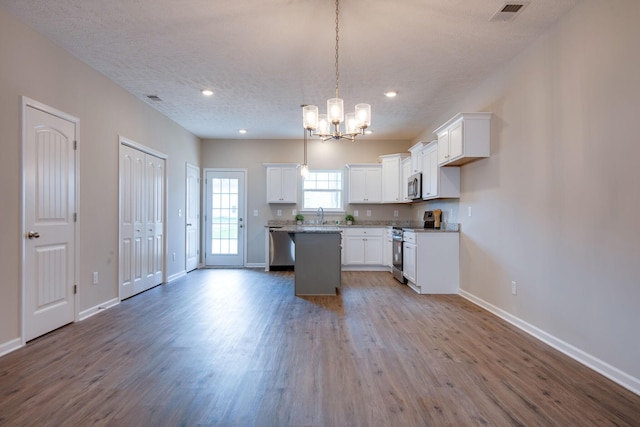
(27, 102)
(165, 249)
(203, 245)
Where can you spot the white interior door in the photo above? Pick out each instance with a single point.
(49, 221)
(225, 218)
(192, 218)
(142, 211)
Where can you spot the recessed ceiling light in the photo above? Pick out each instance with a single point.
(243, 131)
(368, 131)
(207, 92)
(391, 94)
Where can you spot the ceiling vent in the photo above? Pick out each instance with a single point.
(509, 11)
(154, 97)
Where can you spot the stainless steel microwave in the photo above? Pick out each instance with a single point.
(414, 186)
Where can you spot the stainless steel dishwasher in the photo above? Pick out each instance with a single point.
(281, 249)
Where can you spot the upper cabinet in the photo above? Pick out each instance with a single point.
(391, 178)
(406, 173)
(282, 183)
(365, 182)
(416, 157)
(438, 182)
(464, 138)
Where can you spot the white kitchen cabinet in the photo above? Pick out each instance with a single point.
(438, 182)
(391, 178)
(388, 249)
(363, 246)
(431, 264)
(409, 254)
(416, 157)
(282, 183)
(406, 173)
(464, 138)
(365, 182)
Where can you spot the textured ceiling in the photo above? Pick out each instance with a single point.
(265, 58)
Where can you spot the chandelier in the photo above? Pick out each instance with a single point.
(320, 124)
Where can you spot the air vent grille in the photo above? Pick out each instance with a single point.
(509, 11)
(154, 97)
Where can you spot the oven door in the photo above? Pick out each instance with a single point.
(397, 259)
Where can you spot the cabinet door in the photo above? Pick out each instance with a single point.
(430, 174)
(353, 250)
(391, 180)
(373, 183)
(456, 136)
(289, 185)
(373, 250)
(274, 185)
(443, 147)
(406, 173)
(409, 261)
(357, 185)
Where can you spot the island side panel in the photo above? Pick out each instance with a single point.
(317, 268)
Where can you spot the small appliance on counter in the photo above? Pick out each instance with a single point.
(432, 218)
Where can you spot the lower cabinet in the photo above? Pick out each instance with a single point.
(363, 247)
(431, 262)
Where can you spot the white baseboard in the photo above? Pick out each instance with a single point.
(10, 346)
(85, 314)
(614, 374)
(176, 276)
(256, 265)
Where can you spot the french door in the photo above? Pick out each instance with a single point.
(225, 219)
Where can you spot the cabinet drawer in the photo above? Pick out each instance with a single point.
(364, 232)
(409, 237)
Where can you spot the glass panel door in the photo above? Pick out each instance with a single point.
(224, 218)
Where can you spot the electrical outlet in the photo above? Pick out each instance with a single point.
(368, 212)
(294, 212)
(395, 213)
(279, 212)
(255, 212)
(95, 277)
(355, 213)
(514, 288)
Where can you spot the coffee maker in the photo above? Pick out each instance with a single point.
(432, 218)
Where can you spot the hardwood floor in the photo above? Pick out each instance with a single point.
(237, 348)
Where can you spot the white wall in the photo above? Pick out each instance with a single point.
(33, 66)
(251, 154)
(555, 207)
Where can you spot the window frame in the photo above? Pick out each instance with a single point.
(339, 210)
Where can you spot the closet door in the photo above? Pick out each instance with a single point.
(142, 180)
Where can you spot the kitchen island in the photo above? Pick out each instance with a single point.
(317, 268)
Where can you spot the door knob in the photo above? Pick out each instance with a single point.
(33, 235)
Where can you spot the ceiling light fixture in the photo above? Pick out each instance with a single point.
(207, 92)
(243, 131)
(304, 170)
(320, 124)
(391, 94)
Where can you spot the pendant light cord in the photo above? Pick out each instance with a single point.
(337, 43)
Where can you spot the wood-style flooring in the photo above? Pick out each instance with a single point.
(237, 348)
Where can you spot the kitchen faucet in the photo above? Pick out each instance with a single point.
(321, 214)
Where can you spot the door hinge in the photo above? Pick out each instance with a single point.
(75, 217)
(75, 289)
(75, 145)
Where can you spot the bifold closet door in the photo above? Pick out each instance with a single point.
(142, 178)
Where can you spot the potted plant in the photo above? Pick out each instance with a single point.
(299, 219)
(349, 218)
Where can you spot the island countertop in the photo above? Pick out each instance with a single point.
(306, 229)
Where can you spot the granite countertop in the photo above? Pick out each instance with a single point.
(450, 227)
(308, 228)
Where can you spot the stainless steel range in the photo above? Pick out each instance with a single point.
(396, 235)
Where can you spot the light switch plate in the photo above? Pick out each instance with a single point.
(279, 212)
(255, 212)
